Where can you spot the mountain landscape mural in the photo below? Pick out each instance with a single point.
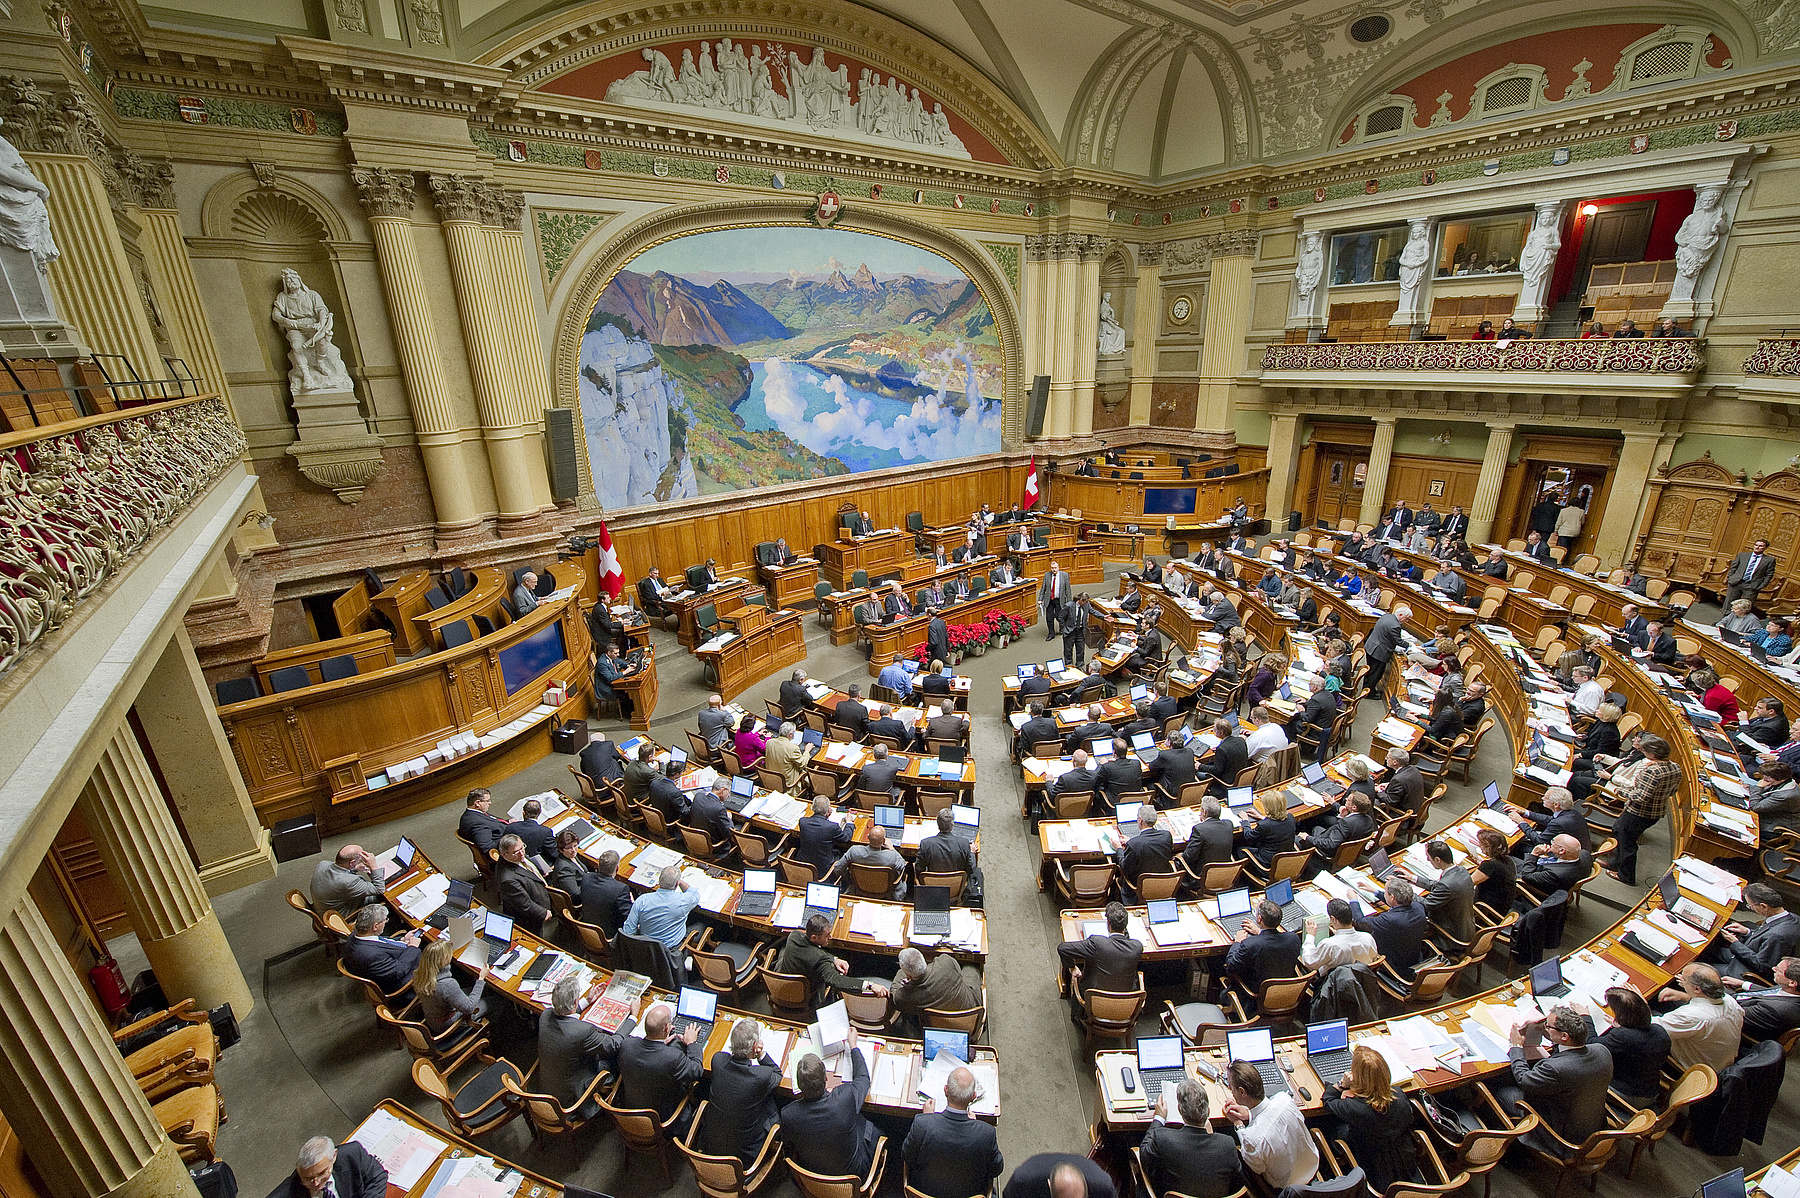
(746, 357)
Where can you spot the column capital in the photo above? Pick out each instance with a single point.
(458, 197)
(1037, 249)
(151, 181)
(502, 208)
(1387, 421)
(1150, 253)
(1502, 426)
(1236, 243)
(383, 191)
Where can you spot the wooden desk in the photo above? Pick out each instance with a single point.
(1121, 500)
(900, 639)
(879, 553)
(492, 584)
(403, 599)
(1081, 560)
(766, 642)
(729, 594)
(1117, 545)
(450, 1147)
(372, 651)
(790, 585)
(641, 687)
(839, 608)
(352, 608)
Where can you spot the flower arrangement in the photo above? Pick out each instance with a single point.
(1000, 624)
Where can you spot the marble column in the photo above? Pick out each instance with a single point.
(1087, 322)
(502, 214)
(1488, 483)
(175, 709)
(1227, 322)
(96, 287)
(459, 201)
(180, 293)
(1630, 484)
(1381, 453)
(1064, 337)
(1284, 460)
(64, 1088)
(387, 197)
(142, 849)
(1146, 320)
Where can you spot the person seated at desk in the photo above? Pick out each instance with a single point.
(865, 613)
(935, 682)
(1564, 818)
(1776, 638)
(749, 743)
(1495, 566)
(1266, 737)
(782, 556)
(896, 605)
(1131, 601)
(608, 669)
(1238, 542)
(1552, 867)
(879, 773)
(601, 762)
(653, 595)
(1264, 952)
(862, 525)
(1079, 778)
(942, 722)
(1334, 831)
(1349, 582)
(876, 852)
(1362, 1109)
(931, 596)
(1209, 559)
(347, 1171)
(1708, 1025)
(1104, 961)
(1768, 1015)
(1638, 1046)
(1565, 1083)
(605, 900)
(938, 558)
(741, 1096)
(883, 724)
(804, 952)
(824, 1131)
(896, 675)
(1018, 541)
(664, 794)
(819, 839)
(384, 960)
(1776, 797)
(785, 755)
(1271, 1131)
(442, 1000)
(1740, 620)
(1537, 547)
(1341, 944)
(850, 714)
(1716, 697)
(1036, 729)
(1223, 615)
(540, 842)
(1096, 728)
(947, 1153)
(1400, 930)
(1187, 1157)
(1003, 575)
(347, 882)
(943, 985)
(662, 914)
(709, 814)
(956, 590)
(476, 825)
(1447, 582)
(1743, 949)
(524, 595)
(1229, 757)
(656, 1070)
(1151, 572)
(523, 890)
(973, 546)
(1151, 851)
(1269, 585)
(1269, 830)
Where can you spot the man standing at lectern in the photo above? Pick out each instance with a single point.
(1750, 572)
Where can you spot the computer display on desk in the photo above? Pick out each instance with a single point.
(1027, 671)
(1240, 796)
(697, 1004)
(498, 928)
(1329, 1036)
(1054, 666)
(742, 786)
(1490, 795)
(813, 737)
(759, 881)
(1256, 1044)
(965, 817)
(1162, 911)
(1280, 893)
(1143, 742)
(820, 897)
(1546, 975)
(678, 755)
(1139, 693)
(1312, 773)
(1158, 1052)
(1234, 902)
(1100, 746)
(892, 818)
(940, 1040)
(1379, 864)
(1726, 1185)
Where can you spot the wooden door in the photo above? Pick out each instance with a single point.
(1571, 479)
(1338, 485)
(1616, 233)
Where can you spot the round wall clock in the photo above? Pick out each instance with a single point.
(1180, 308)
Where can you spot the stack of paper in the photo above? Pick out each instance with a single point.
(404, 1150)
(650, 862)
(884, 923)
(420, 901)
(1498, 820)
(714, 892)
(790, 912)
(1777, 1182)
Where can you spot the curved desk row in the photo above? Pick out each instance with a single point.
(1123, 500)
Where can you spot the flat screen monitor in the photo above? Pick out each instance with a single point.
(759, 881)
(743, 785)
(527, 660)
(942, 1040)
(890, 817)
(1329, 1036)
(1234, 902)
(1170, 501)
(1158, 1052)
(1256, 1044)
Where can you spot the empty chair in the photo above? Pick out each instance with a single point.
(237, 690)
(334, 668)
(435, 598)
(456, 633)
(289, 678)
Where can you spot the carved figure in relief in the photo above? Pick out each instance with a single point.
(1112, 333)
(307, 323)
(1310, 267)
(692, 90)
(1697, 240)
(709, 77)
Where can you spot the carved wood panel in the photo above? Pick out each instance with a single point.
(1700, 515)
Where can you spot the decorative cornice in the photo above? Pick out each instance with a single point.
(458, 197)
(383, 192)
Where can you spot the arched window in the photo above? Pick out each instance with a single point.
(1384, 117)
(1672, 53)
(1512, 88)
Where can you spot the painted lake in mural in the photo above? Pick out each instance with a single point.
(745, 357)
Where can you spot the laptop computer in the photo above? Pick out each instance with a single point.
(1139, 693)
(1547, 979)
(497, 929)
(1100, 746)
(403, 856)
(1726, 1185)
(1257, 1046)
(1328, 1049)
(1233, 904)
(1315, 777)
(820, 900)
(1293, 915)
(813, 737)
(758, 895)
(678, 755)
(1730, 637)
(1027, 671)
(965, 820)
(1380, 865)
(457, 902)
(931, 911)
(1125, 815)
(1240, 796)
(1054, 666)
(1159, 1065)
(944, 1040)
(1161, 911)
(694, 1008)
(743, 786)
(1490, 796)
(1143, 747)
(892, 819)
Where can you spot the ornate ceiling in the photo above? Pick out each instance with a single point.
(1156, 90)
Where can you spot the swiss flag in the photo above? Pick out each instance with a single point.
(612, 577)
(1031, 485)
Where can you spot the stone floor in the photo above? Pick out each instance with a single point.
(312, 1062)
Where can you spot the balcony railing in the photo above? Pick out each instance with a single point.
(1776, 357)
(78, 499)
(1671, 355)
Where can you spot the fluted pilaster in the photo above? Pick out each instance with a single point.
(1488, 483)
(1381, 454)
(531, 379)
(181, 296)
(96, 288)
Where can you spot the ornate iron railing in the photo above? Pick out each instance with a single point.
(1776, 356)
(1671, 355)
(78, 499)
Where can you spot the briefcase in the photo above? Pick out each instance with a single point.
(570, 737)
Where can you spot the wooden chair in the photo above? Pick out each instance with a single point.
(728, 1176)
(873, 881)
(484, 864)
(643, 1130)
(872, 1014)
(1086, 884)
(1462, 754)
(847, 1185)
(1428, 986)
(955, 881)
(191, 1118)
(329, 928)
(1074, 805)
(1277, 1000)
(1142, 1181)
(933, 799)
(790, 994)
(1479, 1151)
(1212, 879)
(479, 1103)
(1287, 866)
(967, 1019)
(186, 1056)
(1582, 608)
(585, 785)
(770, 779)
(595, 943)
(698, 845)
(1695, 1083)
(794, 872)
(728, 761)
(1157, 886)
(754, 849)
(446, 1046)
(656, 825)
(401, 1001)
(1585, 1159)
(868, 800)
(1348, 852)
(1110, 1015)
(699, 751)
(725, 966)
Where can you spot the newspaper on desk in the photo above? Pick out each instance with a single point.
(1049, 767)
(405, 1151)
(552, 807)
(650, 861)
(1709, 881)
(421, 900)
(936, 1074)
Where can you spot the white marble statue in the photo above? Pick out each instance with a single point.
(1414, 258)
(1310, 268)
(1112, 333)
(1697, 240)
(1539, 253)
(307, 324)
(24, 220)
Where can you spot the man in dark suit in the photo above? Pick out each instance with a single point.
(1003, 574)
(1456, 524)
(1356, 822)
(601, 762)
(937, 638)
(1095, 729)
(947, 724)
(850, 714)
(348, 1170)
(1450, 901)
(1080, 777)
(948, 1154)
(1405, 789)
(1768, 1016)
(656, 1071)
(741, 1101)
(1384, 640)
(1037, 727)
(1657, 644)
(1266, 952)
(716, 724)
(1173, 768)
(957, 589)
(1494, 566)
(665, 795)
(1151, 851)
(883, 723)
(794, 698)
(1121, 772)
(540, 842)
(879, 772)
(861, 525)
(570, 1049)
(1543, 515)
(1387, 531)
(1552, 867)
(1059, 1175)
(1038, 684)
(384, 960)
(1758, 948)
(1750, 572)
(477, 825)
(709, 814)
(944, 852)
(820, 840)
(1163, 705)
(524, 894)
(605, 900)
(1189, 1157)
(1400, 930)
(1565, 1083)
(896, 605)
(1537, 547)
(1565, 819)
(1317, 716)
(1210, 841)
(1054, 595)
(1229, 757)
(1402, 517)
(825, 1131)
(653, 593)
(931, 597)
(1223, 615)
(1108, 962)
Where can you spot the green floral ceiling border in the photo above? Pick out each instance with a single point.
(1006, 256)
(702, 170)
(1693, 133)
(143, 104)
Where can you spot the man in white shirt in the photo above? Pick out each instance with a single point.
(1707, 1028)
(1344, 946)
(1588, 693)
(1271, 1131)
(1268, 737)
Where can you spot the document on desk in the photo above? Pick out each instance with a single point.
(405, 1151)
(1777, 1182)
(884, 923)
(1190, 928)
(1691, 937)
(603, 841)
(420, 901)
(1499, 821)
(650, 861)
(790, 912)
(892, 1071)
(1697, 875)
(1480, 1044)
(714, 893)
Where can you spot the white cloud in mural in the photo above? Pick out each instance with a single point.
(931, 429)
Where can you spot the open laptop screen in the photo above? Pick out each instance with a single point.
(1546, 975)
(1729, 1185)
(759, 881)
(697, 1004)
(825, 898)
(743, 786)
(1490, 794)
(1257, 1044)
(1328, 1036)
(1234, 902)
(1158, 1052)
(890, 817)
(940, 1040)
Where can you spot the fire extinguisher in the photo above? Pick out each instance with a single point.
(108, 981)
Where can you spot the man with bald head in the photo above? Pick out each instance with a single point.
(655, 1070)
(948, 1153)
(824, 1130)
(347, 1170)
(1554, 866)
(1059, 1175)
(1708, 1025)
(348, 882)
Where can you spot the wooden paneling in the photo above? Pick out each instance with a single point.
(1700, 515)
(372, 650)
(1121, 500)
(1411, 476)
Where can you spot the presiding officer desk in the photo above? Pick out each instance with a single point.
(881, 552)
(903, 637)
(759, 643)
